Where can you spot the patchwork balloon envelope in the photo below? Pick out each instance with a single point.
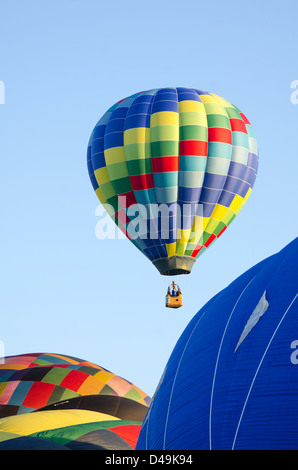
(173, 167)
(52, 401)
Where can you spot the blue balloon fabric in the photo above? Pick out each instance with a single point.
(231, 381)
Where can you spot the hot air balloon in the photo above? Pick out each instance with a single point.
(173, 167)
(231, 381)
(50, 401)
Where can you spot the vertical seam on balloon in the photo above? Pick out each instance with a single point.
(198, 202)
(147, 428)
(159, 239)
(258, 368)
(217, 360)
(177, 97)
(181, 203)
(174, 382)
(147, 417)
(223, 186)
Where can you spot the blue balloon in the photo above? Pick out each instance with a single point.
(231, 381)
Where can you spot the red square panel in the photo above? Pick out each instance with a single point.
(38, 395)
(74, 380)
(127, 199)
(140, 182)
(237, 125)
(193, 147)
(129, 433)
(218, 134)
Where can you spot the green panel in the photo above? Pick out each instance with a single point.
(231, 220)
(122, 185)
(164, 148)
(137, 150)
(219, 228)
(113, 201)
(67, 434)
(133, 395)
(206, 236)
(59, 393)
(218, 120)
(194, 133)
(107, 190)
(233, 113)
(168, 133)
(55, 375)
(117, 170)
(106, 390)
(139, 167)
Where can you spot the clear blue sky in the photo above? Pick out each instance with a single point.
(63, 63)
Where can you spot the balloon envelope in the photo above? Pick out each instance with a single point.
(231, 381)
(173, 167)
(32, 381)
(50, 401)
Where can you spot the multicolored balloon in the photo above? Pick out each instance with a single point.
(52, 401)
(30, 382)
(188, 157)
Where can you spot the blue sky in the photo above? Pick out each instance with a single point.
(63, 64)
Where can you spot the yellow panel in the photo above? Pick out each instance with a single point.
(29, 423)
(189, 105)
(219, 212)
(3, 386)
(222, 101)
(205, 222)
(5, 436)
(171, 249)
(136, 135)
(100, 195)
(104, 375)
(13, 366)
(114, 155)
(184, 235)
(181, 247)
(212, 224)
(164, 118)
(236, 202)
(209, 98)
(102, 175)
(243, 201)
(229, 214)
